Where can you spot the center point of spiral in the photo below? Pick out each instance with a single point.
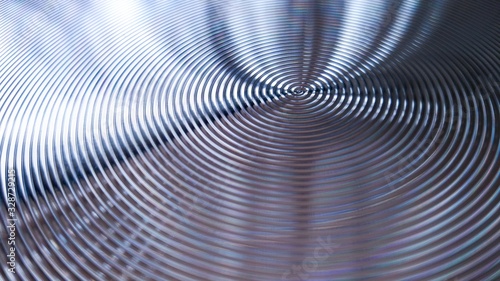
(299, 91)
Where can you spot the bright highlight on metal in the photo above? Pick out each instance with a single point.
(250, 140)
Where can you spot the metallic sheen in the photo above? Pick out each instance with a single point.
(251, 140)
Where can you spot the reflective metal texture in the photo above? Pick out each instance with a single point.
(251, 140)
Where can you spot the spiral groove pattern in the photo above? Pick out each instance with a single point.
(251, 140)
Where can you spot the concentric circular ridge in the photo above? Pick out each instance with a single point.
(257, 140)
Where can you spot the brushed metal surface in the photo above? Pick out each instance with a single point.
(251, 140)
